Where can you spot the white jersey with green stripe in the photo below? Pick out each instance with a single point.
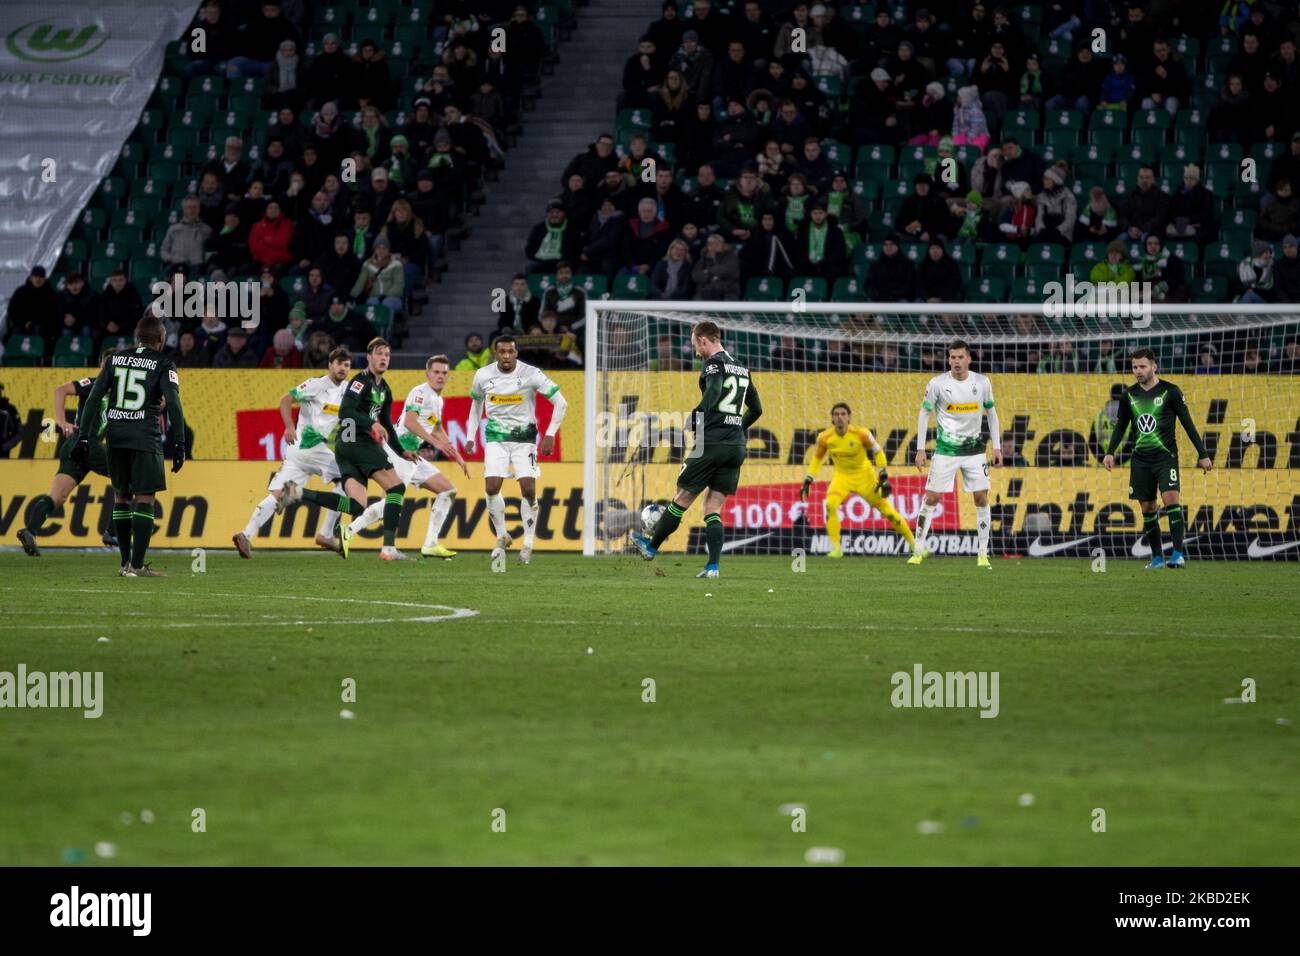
(427, 405)
(318, 409)
(509, 400)
(959, 408)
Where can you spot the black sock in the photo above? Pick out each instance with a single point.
(330, 501)
(122, 528)
(1151, 525)
(42, 505)
(141, 532)
(713, 534)
(1175, 513)
(392, 513)
(667, 524)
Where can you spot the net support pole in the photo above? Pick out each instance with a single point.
(589, 434)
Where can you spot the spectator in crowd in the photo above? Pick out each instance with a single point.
(666, 32)
(120, 306)
(317, 353)
(643, 73)
(1286, 271)
(212, 201)
(1280, 215)
(594, 163)
(1061, 358)
(1191, 209)
(745, 202)
(228, 255)
(1254, 280)
(218, 37)
(1230, 119)
(1035, 86)
(382, 280)
(735, 138)
(476, 355)
(315, 295)
(667, 356)
(405, 235)
(343, 326)
(331, 75)
(938, 277)
(1163, 270)
(1164, 84)
(284, 78)
(1106, 362)
(671, 276)
(674, 110)
(551, 240)
(892, 277)
(79, 305)
(526, 44)
(1098, 221)
(695, 147)
(646, 240)
(1019, 219)
(1115, 268)
(997, 83)
(372, 82)
(1057, 209)
(183, 245)
(1288, 362)
(794, 204)
(844, 205)
(522, 308)
(235, 352)
(788, 355)
(231, 168)
(969, 126)
(1252, 362)
(1207, 362)
(823, 251)
(187, 354)
(300, 324)
(258, 44)
(1147, 207)
(932, 116)
(282, 353)
(313, 234)
(770, 250)
(565, 299)
(1119, 87)
(774, 167)
(923, 215)
(1274, 112)
(340, 265)
(604, 246)
(269, 240)
(717, 273)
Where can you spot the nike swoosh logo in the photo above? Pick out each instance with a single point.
(1142, 550)
(741, 542)
(1257, 550)
(1038, 550)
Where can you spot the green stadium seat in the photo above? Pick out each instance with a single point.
(1026, 290)
(867, 190)
(1241, 219)
(764, 289)
(1224, 153)
(74, 351)
(139, 210)
(634, 119)
(814, 288)
(145, 268)
(918, 153)
(880, 223)
(1188, 251)
(594, 285)
(128, 236)
(1213, 289)
(1001, 256)
(987, 289)
(1236, 236)
(538, 283)
(1148, 138)
(847, 290)
(1063, 119)
(166, 173)
(202, 104)
(1174, 158)
(24, 351)
(1128, 170)
(830, 86)
(293, 286)
(75, 250)
(1042, 271)
(667, 152)
(908, 169)
(379, 316)
(1189, 48)
(837, 154)
(631, 287)
(914, 251)
(1060, 140)
(1022, 121)
(1151, 119)
(1219, 177)
(873, 156)
(1090, 172)
(101, 269)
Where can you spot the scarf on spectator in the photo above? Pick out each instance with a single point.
(359, 242)
(794, 211)
(372, 138)
(675, 270)
(970, 225)
(1031, 83)
(1153, 265)
(439, 159)
(835, 204)
(288, 68)
(324, 218)
(564, 291)
(553, 243)
(817, 242)
(745, 213)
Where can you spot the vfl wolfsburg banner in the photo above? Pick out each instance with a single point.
(73, 80)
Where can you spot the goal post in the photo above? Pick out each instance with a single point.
(1057, 380)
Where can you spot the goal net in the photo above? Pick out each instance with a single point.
(1056, 380)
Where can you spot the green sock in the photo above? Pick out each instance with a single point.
(42, 505)
(329, 500)
(713, 534)
(1151, 525)
(141, 532)
(668, 523)
(392, 514)
(122, 528)
(1175, 513)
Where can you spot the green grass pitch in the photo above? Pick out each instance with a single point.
(222, 691)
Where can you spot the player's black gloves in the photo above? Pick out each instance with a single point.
(178, 457)
(884, 483)
(80, 451)
(803, 492)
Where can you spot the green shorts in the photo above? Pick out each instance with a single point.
(136, 472)
(1146, 476)
(96, 461)
(717, 468)
(360, 459)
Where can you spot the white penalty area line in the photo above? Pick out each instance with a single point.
(267, 620)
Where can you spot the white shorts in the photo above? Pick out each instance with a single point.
(943, 470)
(412, 473)
(510, 459)
(301, 463)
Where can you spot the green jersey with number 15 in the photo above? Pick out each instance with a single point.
(134, 381)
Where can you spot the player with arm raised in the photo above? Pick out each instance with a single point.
(420, 430)
(1153, 406)
(364, 428)
(70, 473)
(728, 405)
(848, 446)
(959, 399)
(136, 382)
(505, 393)
(308, 452)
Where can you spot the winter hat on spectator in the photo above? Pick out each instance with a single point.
(975, 197)
(423, 101)
(878, 74)
(424, 175)
(442, 137)
(892, 237)
(1056, 175)
(399, 140)
(38, 272)
(382, 241)
(330, 38)
(945, 143)
(1117, 245)
(690, 35)
(935, 89)
(1017, 188)
(299, 310)
(1259, 247)
(817, 11)
(1290, 240)
(923, 178)
(554, 204)
(236, 330)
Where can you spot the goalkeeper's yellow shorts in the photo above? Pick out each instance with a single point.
(864, 484)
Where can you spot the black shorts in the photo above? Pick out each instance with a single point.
(360, 459)
(717, 468)
(96, 460)
(135, 472)
(1146, 476)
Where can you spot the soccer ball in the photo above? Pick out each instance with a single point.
(650, 516)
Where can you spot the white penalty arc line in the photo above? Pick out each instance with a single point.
(454, 613)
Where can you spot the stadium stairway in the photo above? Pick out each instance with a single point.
(577, 103)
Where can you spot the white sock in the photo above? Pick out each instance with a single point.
(437, 515)
(368, 517)
(265, 508)
(528, 512)
(982, 520)
(327, 523)
(923, 525)
(497, 513)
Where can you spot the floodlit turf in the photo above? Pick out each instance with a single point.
(222, 692)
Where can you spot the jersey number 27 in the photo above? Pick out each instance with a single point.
(728, 405)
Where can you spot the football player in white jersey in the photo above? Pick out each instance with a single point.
(505, 392)
(959, 399)
(421, 425)
(307, 453)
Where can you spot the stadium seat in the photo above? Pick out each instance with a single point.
(1045, 252)
(847, 290)
(1000, 259)
(814, 288)
(631, 287)
(1219, 176)
(914, 251)
(1026, 290)
(595, 286)
(1056, 120)
(1212, 289)
(1224, 153)
(837, 154)
(24, 351)
(1022, 121)
(1062, 140)
(74, 351)
(987, 289)
(538, 283)
(1042, 271)
(764, 289)
(379, 316)
(293, 286)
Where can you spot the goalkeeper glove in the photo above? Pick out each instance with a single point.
(803, 492)
(178, 457)
(80, 451)
(883, 478)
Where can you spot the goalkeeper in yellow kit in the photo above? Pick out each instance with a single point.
(848, 446)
